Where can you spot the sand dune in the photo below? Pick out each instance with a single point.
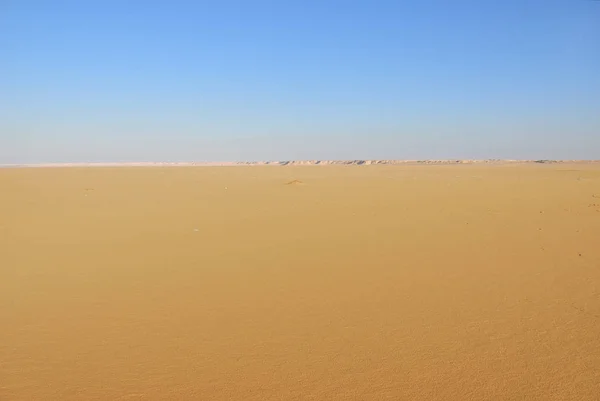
(378, 282)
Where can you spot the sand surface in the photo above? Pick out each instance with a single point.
(300, 283)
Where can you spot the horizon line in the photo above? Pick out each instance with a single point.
(305, 162)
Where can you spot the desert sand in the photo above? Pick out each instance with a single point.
(381, 282)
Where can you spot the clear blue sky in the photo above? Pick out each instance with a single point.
(199, 80)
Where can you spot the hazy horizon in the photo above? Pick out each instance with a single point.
(300, 162)
(264, 80)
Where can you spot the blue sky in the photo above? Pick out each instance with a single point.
(276, 80)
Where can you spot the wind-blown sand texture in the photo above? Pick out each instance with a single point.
(401, 282)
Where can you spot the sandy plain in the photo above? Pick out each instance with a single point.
(463, 282)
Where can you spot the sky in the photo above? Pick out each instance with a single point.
(224, 80)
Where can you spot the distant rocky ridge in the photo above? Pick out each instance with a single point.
(393, 162)
(304, 163)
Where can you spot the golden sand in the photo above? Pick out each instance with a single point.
(300, 283)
